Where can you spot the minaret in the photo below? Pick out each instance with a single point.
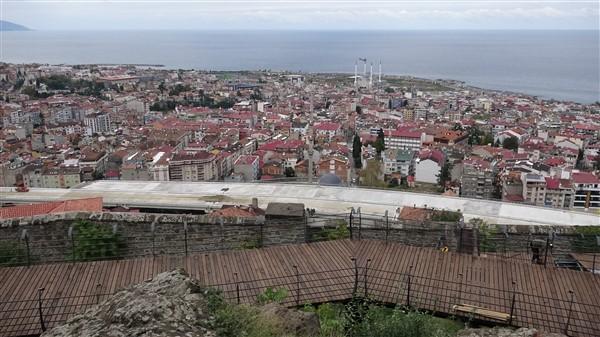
(371, 76)
(379, 81)
(365, 67)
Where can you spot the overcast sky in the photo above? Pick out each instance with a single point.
(300, 14)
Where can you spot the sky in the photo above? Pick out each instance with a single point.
(301, 14)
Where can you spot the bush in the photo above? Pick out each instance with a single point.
(272, 295)
(94, 242)
(586, 241)
(12, 254)
(444, 215)
(384, 322)
(231, 320)
(341, 231)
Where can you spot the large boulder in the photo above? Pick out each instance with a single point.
(171, 304)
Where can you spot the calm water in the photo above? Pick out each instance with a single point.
(552, 64)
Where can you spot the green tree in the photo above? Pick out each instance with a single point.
(289, 172)
(358, 110)
(474, 136)
(511, 143)
(380, 142)
(357, 151)
(445, 175)
(487, 139)
(579, 163)
(389, 90)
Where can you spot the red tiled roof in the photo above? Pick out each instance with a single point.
(327, 126)
(76, 205)
(585, 178)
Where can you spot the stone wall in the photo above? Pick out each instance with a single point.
(145, 234)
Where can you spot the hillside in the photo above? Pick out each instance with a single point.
(9, 26)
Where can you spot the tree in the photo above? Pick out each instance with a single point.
(380, 142)
(597, 165)
(579, 163)
(393, 183)
(511, 143)
(162, 87)
(497, 143)
(474, 136)
(487, 139)
(457, 127)
(389, 90)
(357, 151)
(358, 110)
(289, 172)
(445, 175)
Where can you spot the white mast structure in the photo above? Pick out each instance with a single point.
(379, 81)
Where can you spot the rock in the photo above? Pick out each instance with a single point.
(169, 305)
(506, 332)
(295, 322)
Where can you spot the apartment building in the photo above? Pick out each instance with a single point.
(197, 166)
(477, 179)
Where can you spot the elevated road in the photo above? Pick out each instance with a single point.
(325, 199)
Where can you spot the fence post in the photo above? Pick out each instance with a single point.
(40, 291)
(387, 226)
(297, 285)
(152, 229)
(185, 236)
(570, 311)
(512, 304)
(359, 224)
(237, 288)
(98, 292)
(71, 236)
(460, 277)
(408, 288)
(365, 281)
(546, 252)
(350, 223)
(25, 237)
(355, 277)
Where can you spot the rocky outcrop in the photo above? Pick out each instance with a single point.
(505, 332)
(171, 304)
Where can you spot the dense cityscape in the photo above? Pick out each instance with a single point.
(65, 125)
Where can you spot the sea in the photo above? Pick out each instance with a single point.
(553, 64)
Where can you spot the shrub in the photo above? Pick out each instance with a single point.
(341, 231)
(12, 254)
(93, 242)
(586, 241)
(272, 295)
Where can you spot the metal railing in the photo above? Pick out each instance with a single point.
(569, 314)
